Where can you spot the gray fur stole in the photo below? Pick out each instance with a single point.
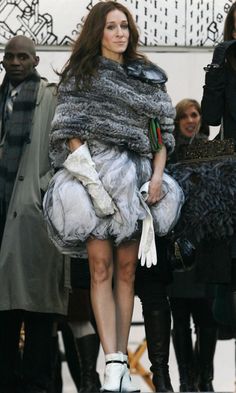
(116, 109)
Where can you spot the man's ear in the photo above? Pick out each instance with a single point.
(36, 61)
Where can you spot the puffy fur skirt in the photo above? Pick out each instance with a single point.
(69, 211)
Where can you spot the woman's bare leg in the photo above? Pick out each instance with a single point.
(126, 257)
(100, 255)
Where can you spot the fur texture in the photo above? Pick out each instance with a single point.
(209, 211)
(116, 110)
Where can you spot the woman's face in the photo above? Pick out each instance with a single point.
(189, 123)
(115, 36)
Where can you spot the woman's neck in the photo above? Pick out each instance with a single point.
(118, 58)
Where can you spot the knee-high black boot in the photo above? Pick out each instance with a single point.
(182, 341)
(207, 338)
(157, 327)
(71, 353)
(88, 348)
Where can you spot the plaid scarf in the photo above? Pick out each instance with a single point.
(17, 132)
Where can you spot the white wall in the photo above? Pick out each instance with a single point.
(186, 75)
(185, 72)
(184, 69)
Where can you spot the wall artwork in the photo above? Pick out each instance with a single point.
(161, 22)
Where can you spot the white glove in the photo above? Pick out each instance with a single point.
(147, 247)
(80, 165)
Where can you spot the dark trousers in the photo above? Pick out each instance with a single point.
(31, 368)
(151, 292)
(199, 308)
(151, 283)
(195, 362)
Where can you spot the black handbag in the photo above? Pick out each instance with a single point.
(181, 255)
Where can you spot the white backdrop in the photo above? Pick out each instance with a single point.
(184, 69)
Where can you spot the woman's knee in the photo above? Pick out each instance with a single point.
(100, 270)
(100, 255)
(126, 271)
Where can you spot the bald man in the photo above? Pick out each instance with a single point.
(31, 270)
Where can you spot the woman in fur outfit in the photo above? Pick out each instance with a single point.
(107, 95)
(189, 298)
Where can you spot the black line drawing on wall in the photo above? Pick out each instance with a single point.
(161, 22)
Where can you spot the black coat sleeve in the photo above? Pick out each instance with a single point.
(213, 100)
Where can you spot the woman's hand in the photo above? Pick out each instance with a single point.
(74, 143)
(154, 192)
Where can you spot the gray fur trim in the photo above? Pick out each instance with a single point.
(209, 187)
(169, 141)
(116, 110)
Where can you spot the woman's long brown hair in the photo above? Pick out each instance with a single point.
(229, 23)
(83, 61)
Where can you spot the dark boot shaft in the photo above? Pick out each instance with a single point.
(182, 341)
(161, 380)
(206, 387)
(207, 338)
(157, 327)
(88, 348)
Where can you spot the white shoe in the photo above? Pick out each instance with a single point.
(114, 373)
(127, 384)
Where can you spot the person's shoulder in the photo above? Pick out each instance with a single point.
(46, 84)
(146, 71)
(46, 90)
